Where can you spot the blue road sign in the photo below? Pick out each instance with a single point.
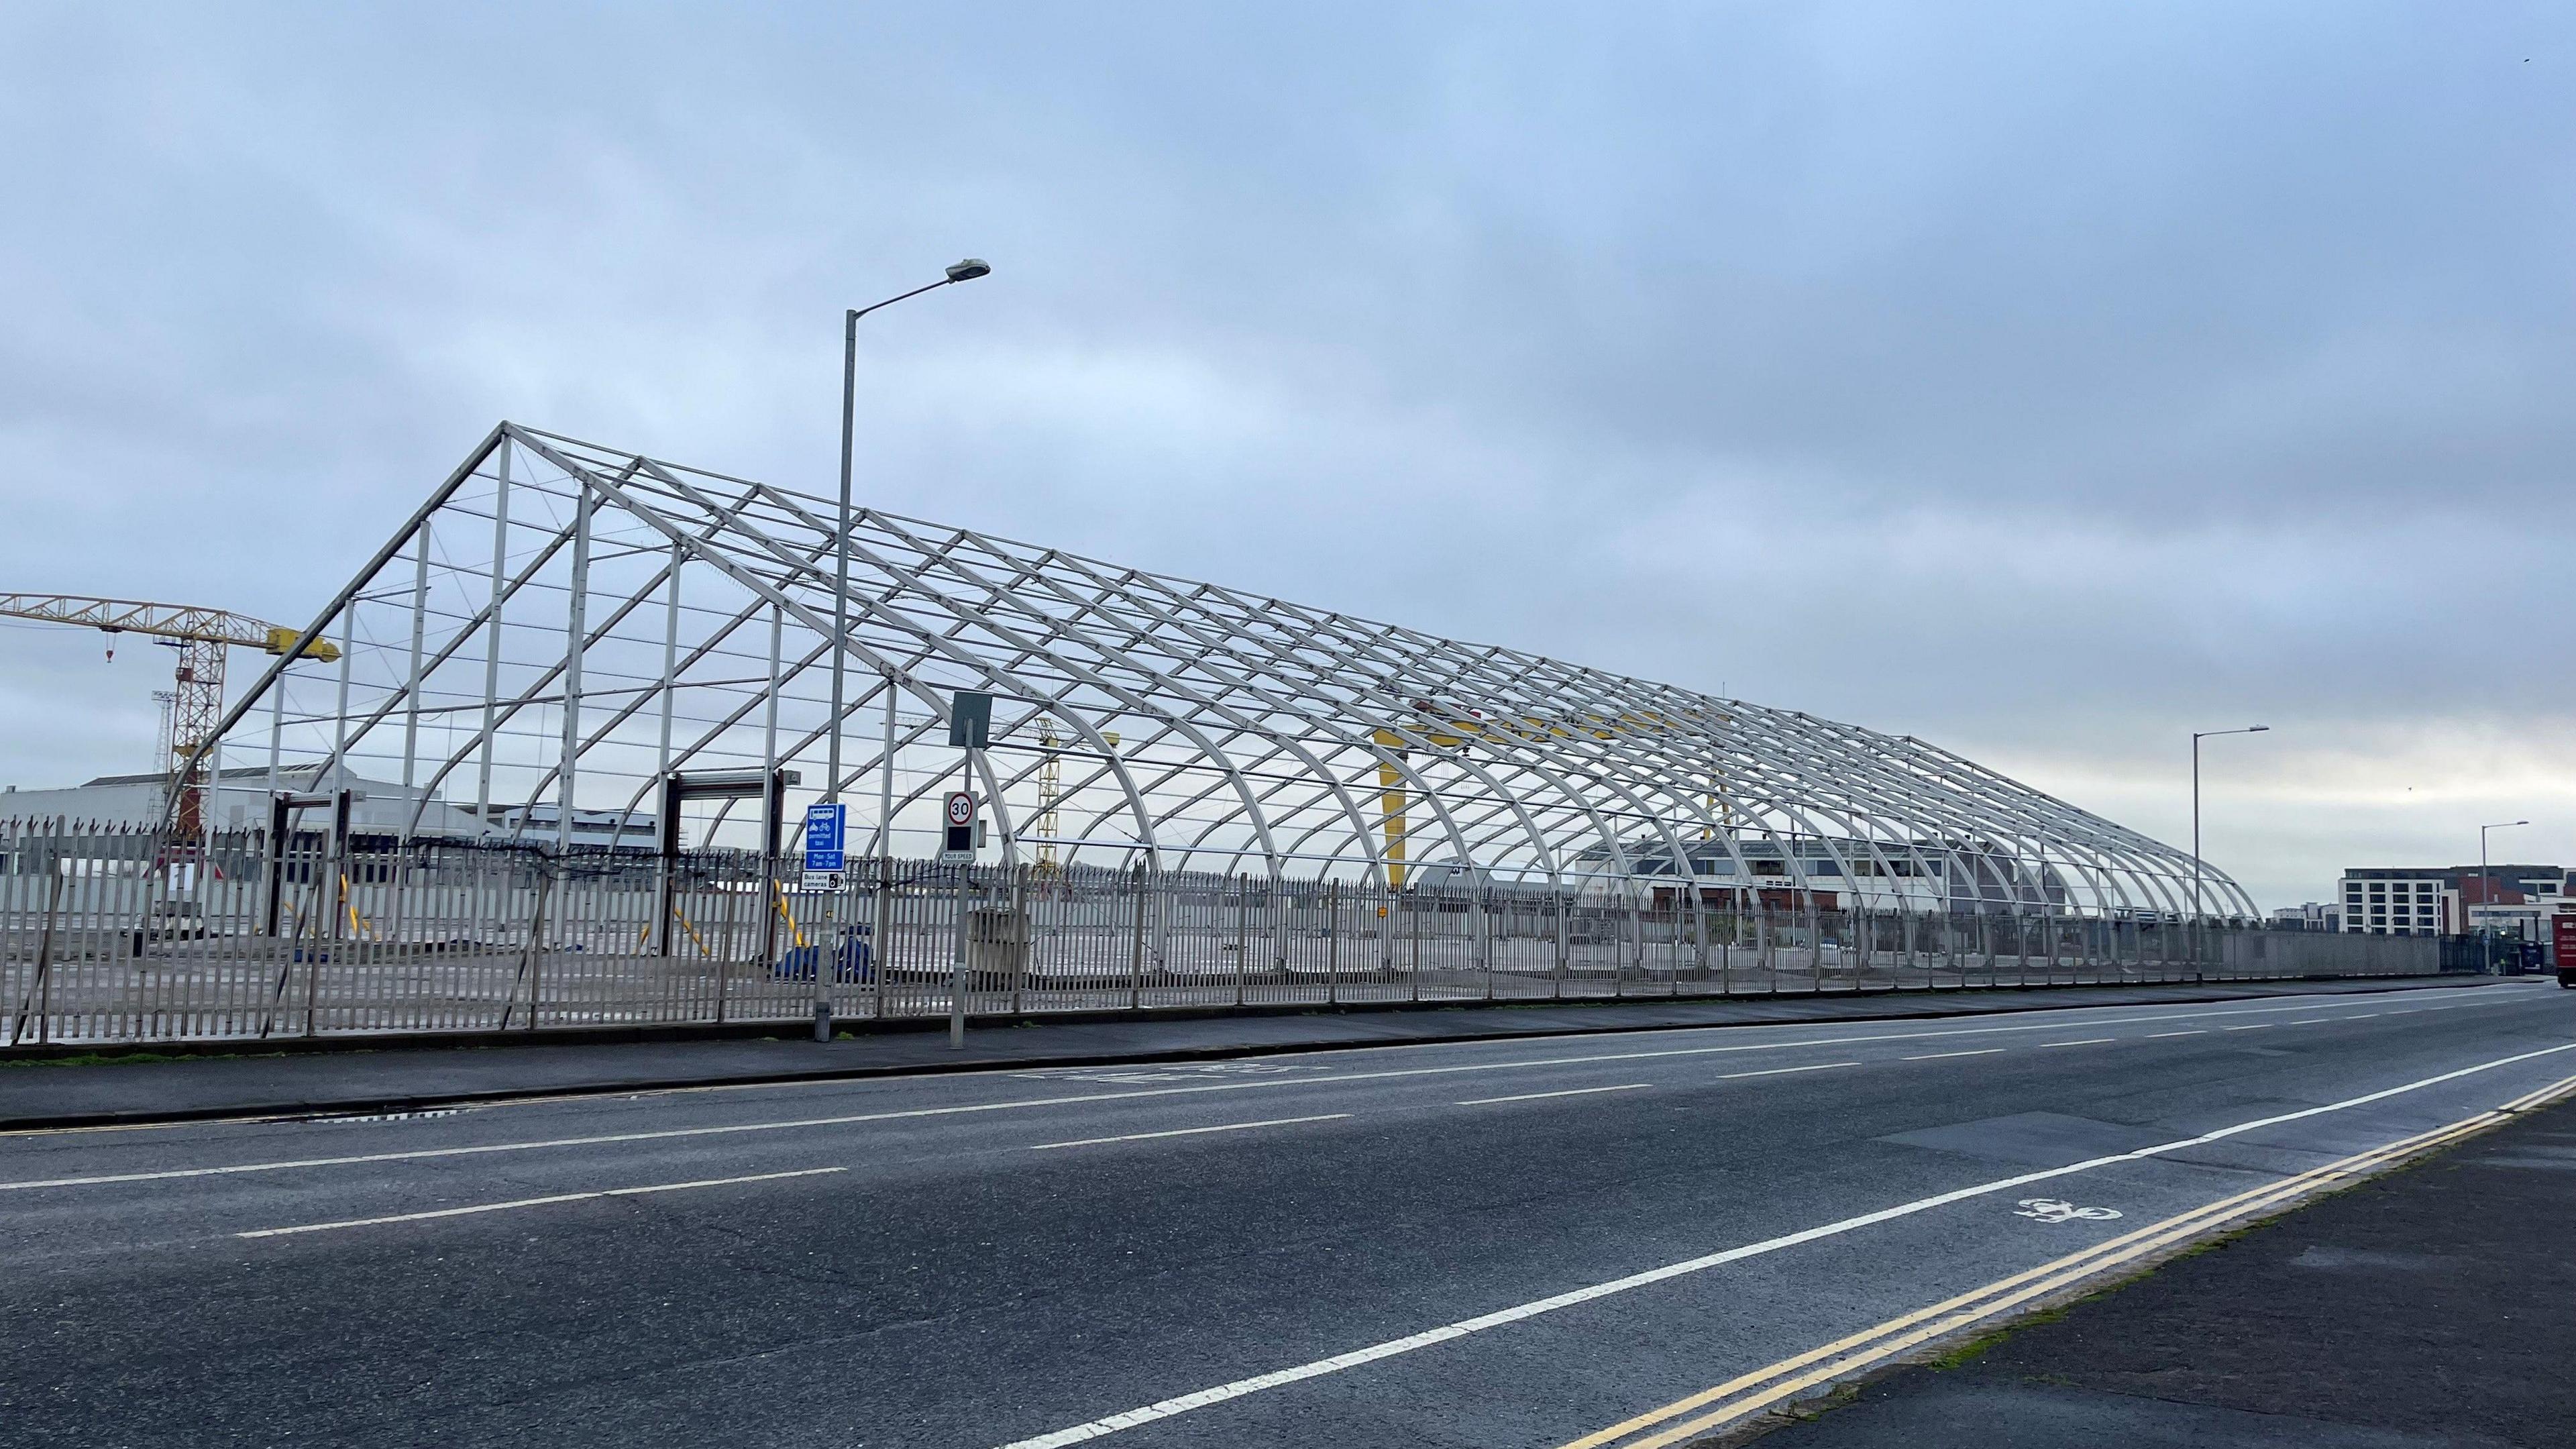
(823, 834)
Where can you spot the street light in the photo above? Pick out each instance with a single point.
(2486, 889)
(963, 271)
(2196, 738)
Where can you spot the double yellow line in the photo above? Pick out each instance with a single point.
(1749, 1393)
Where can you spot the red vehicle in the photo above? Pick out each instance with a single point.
(2562, 941)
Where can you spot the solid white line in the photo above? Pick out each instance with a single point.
(528, 1202)
(1168, 1408)
(1191, 1131)
(1784, 1071)
(2088, 1041)
(2159, 1035)
(1943, 1056)
(1535, 1096)
(851, 1119)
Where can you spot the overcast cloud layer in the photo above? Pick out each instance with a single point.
(2045, 381)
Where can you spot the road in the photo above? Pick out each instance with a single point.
(1522, 1242)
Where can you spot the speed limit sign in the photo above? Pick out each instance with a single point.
(959, 843)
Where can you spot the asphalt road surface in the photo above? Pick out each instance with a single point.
(1620, 1241)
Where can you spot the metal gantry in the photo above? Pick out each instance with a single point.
(562, 628)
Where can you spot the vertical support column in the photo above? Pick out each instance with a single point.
(666, 864)
(411, 679)
(1699, 930)
(725, 949)
(331, 893)
(411, 724)
(771, 884)
(668, 826)
(1485, 935)
(1561, 904)
(1332, 942)
(1619, 958)
(1412, 903)
(885, 778)
(576, 626)
(492, 640)
(881, 951)
(1815, 931)
(1766, 944)
(1242, 931)
(537, 944)
(1136, 953)
(1726, 948)
(273, 872)
(1024, 940)
(340, 727)
(276, 729)
(1166, 900)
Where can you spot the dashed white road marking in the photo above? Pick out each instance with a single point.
(2088, 1041)
(529, 1202)
(1944, 1056)
(1784, 1071)
(1189, 1131)
(1536, 1096)
(2198, 1031)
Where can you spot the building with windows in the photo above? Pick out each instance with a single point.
(2451, 900)
(2310, 916)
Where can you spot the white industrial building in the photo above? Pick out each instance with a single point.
(239, 800)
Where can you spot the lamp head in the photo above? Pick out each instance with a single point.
(969, 269)
(2257, 729)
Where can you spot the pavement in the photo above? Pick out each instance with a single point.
(352, 1075)
(1598, 1241)
(2434, 1306)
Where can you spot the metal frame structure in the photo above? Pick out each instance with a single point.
(568, 624)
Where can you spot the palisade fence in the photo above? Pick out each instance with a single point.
(112, 935)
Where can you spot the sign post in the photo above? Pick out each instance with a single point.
(826, 834)
(970, 728)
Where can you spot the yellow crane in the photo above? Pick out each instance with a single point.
(202, 636)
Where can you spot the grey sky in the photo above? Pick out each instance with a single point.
(2046, 381)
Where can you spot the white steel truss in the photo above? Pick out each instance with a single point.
(561, 627)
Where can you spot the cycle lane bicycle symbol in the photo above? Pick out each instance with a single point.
(2052, 1210)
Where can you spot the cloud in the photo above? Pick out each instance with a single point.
(2047, 382)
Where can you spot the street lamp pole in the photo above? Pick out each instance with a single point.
(964, 271)
(2486, 893)
(2196, 908)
